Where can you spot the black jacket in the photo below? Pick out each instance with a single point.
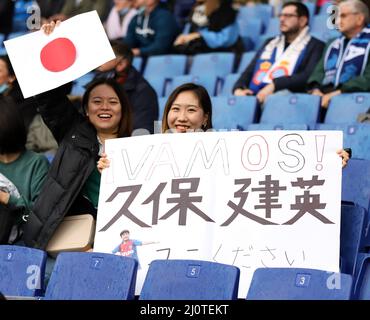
(297, 81)
(72, 165)
(143, 99)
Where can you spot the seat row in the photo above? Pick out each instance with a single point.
(94, 275)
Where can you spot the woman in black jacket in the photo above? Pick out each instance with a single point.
(72, 184)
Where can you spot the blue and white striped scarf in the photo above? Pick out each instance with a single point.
(342, 65)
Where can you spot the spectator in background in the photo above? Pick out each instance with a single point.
(345, 64)
(119, 18)
(142, 96)
(284, 62)
(39, 137)
(22, 172)
(213, 28)
(153, 31)
(75, 7)
(49, 8)
(6, 17)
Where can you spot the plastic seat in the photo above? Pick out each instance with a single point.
(227, 88)
(157, 82)
(190, 280)
(22, 271)
(209, 81)
(262, 11)
(161, 104)
(233, 113)
(289, 109)
(245, 61)
(92, 276)
(356, 136)
(219, 64)
(78, 88)
(167, 66)
(356, 182)
(345, 108)
(137, 62)
(250, 28)
(362, 284)
(352, 233)
(269, 126)
(299, 284)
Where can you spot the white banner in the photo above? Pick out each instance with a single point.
(43, 62)
(249, 199)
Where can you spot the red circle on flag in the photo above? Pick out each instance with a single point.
(58, 55)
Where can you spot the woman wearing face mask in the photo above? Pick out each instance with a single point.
(119, 18)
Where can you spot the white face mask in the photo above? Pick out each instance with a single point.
(3, 87)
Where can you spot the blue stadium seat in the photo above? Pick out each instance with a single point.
(233, 113)
(362, 280)
(22, 271)
(157, 82)
(325, 9)
(245, 61)
(251, 29)
(209, 81)
(355, 136)
(262, 11)
(92, 276)
(320, 23)
(161, 104)
(137, 62)
(227, 87)
(190, 280)
(326, 34)
(219, 64)
(345, 108)
(352, 233)
(269, 126)
(298, 284)
(356, 182)
(273, 27)
(167, 66)
(78, 88)
(293, 108)
(362, 284)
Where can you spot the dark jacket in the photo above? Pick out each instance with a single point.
(72, 165)
(143, 99)
(297, 81)
(155, 38)
(6, 16)
(359, 83)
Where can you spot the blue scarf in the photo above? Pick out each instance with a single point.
(341, 65)
(275, 61)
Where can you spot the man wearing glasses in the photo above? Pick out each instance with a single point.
(284, 62)
(344, 66)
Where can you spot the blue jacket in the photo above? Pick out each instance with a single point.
(221, 39)
(155, 36)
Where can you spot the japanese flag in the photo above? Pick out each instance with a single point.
(43, 62)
